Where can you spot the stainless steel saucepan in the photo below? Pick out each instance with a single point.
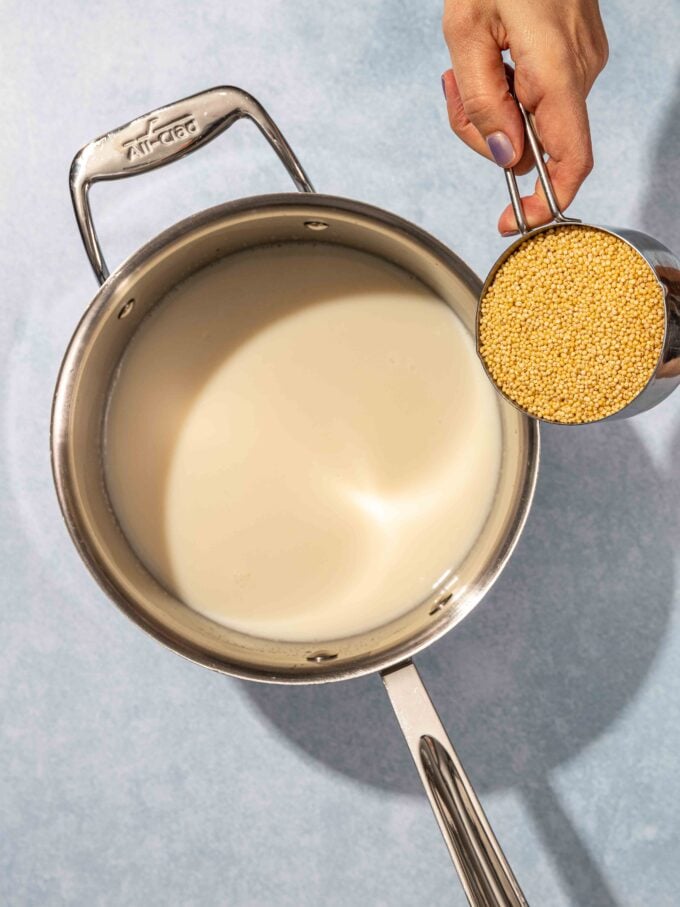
(111, 320)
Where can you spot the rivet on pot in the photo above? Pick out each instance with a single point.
(440, 604)
(127, 308)
(316, 225)
(320, 657)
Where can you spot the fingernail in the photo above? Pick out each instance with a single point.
(509, 232)
(501, 148)
(444, 86)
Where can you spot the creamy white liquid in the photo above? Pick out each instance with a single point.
(301, 442)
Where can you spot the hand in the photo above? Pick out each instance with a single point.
(558, 47)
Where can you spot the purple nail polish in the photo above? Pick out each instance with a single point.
(501, 148)
(444, 87)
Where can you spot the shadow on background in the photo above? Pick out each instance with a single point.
(563, 641)
(546, 662)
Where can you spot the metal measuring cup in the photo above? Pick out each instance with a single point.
(664, 263)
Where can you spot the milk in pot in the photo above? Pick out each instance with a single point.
(301, 442)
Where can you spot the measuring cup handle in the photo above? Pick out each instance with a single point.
(543, 175)
(482, 867)
(160, 137)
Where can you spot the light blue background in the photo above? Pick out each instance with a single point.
(131, 777)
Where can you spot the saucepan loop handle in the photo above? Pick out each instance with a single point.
(484, 872)
(163, 136)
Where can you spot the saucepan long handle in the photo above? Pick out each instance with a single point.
(163, 136)
(484, 871)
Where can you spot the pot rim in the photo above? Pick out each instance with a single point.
(62, 473)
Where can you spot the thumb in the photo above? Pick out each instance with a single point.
(485, 96)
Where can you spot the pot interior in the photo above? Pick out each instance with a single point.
(83, 390)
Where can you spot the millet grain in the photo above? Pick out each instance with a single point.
(572, 326)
